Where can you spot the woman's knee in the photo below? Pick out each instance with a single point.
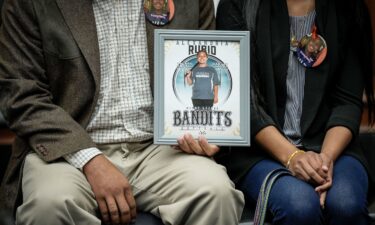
(348, 210)
(294, 202)
(347, 198)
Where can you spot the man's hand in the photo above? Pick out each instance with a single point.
(201, 147)
(216, 99)
(112, 191)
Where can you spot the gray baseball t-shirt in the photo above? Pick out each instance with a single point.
(204, 81)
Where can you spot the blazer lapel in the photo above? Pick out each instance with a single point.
(264, 54)
(280, 37)
(280, 46)
(316, 78)
(80, 19)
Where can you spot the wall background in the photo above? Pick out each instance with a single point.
(215, 2)
(371, 7)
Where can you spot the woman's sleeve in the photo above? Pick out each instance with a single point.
(348, 91)
(229, 15)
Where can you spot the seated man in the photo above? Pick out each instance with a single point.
(76, 88)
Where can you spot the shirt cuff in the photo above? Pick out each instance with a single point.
(80, 158)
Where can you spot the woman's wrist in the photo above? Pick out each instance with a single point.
(291, 157)
(328, 155)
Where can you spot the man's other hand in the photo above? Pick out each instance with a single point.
(112, 191)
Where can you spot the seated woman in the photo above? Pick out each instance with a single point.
(305, 116)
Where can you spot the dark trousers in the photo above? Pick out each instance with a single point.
(203, 103)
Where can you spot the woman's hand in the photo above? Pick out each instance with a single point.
(314, 168)
(200, 147)
(328, 168)
(308, 166)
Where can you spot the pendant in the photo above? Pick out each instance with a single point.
(311, 50)
(159, 12)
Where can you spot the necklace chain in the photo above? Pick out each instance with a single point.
(299, 22)
(295, 9)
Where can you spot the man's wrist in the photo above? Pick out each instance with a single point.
(80, 158)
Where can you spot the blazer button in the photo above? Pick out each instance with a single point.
(42, 149)
(44, 153)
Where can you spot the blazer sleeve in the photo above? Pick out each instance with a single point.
(25, 97)
(348, 91)
(230, 17)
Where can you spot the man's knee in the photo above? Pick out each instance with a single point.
(55, 210)
(216, 188)
(222, 193)
(55, 203)
(43, 208)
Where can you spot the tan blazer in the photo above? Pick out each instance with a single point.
(50, 75)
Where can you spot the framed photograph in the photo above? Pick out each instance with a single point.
(202, 86)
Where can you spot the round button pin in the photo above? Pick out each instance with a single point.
(159, 12)
(311, 50)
